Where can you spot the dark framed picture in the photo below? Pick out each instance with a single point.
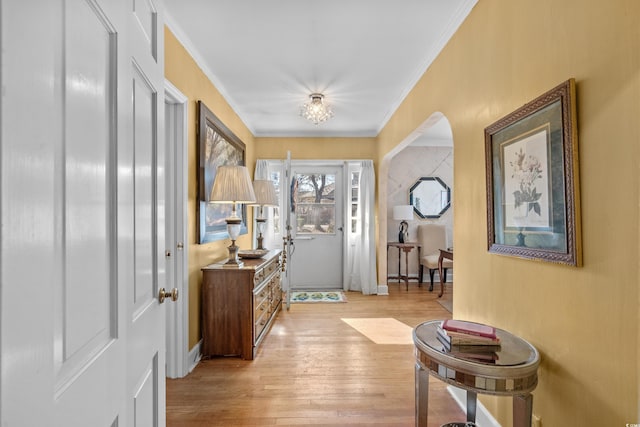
(217, 146)
(533, 197)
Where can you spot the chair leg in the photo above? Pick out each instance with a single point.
(421, 275)
(444, 279)
(431, 273)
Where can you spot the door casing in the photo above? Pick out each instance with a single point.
(176, 137)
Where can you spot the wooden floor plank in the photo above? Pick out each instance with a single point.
(313, 369)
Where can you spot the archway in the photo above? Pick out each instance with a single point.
(435, 131)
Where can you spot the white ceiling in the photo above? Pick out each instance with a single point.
(267, 56)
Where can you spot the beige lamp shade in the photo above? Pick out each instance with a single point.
(403, 213)
(265, 192)
(232, 185)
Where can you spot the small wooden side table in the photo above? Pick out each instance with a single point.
(405, 247)
(448, 254)
(514, 373)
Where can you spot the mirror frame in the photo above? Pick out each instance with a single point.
(444, 186)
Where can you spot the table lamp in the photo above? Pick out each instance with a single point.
(265, 196)
(403, 213)
(232, 185)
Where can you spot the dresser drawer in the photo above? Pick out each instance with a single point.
(265, 271)
(262, 307)
(260, 294)
(261, 322)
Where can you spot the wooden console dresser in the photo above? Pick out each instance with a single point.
(239, 305)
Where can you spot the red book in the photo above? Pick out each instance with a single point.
(469, 328)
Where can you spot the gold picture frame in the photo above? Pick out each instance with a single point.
(533, 197)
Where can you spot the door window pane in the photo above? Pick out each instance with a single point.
(355, 194)
(314, 201)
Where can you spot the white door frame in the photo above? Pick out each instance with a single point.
(176, 137)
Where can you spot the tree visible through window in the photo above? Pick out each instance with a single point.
(315, 206)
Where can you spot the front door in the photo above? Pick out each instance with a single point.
(317, 218)
(82, 192)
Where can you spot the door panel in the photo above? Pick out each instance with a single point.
(29, 248)
(144, 143)
(317, 261)
(145, 396)
(146, 328)
(86, 345)
(82, 211)
(146, 17)
(86, 314)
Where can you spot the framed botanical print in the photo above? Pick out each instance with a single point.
(533, 197)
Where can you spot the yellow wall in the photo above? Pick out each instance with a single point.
(583, 320)
(182, 71)
(316, 148)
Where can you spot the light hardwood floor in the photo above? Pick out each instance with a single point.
(314, 369)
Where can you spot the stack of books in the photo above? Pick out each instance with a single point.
(469, 340)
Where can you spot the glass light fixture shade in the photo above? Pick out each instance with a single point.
(233, 228)
(260, 224)
(316, 110)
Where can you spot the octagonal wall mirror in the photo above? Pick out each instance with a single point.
(430, 197)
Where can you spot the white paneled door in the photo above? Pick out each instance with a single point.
(317, 219)
(82, 206)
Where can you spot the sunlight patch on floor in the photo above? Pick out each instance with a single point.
(383, 330)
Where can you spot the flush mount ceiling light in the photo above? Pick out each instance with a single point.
(316, 110)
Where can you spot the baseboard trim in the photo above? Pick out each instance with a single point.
(483, 416)
(195, 356)
(383, 290)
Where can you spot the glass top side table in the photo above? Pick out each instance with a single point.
(513, 373)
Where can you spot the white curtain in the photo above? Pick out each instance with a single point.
(362, 275)
(262, 169)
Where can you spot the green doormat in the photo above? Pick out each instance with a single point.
(318, 296)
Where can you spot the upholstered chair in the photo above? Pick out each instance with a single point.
(432, 238)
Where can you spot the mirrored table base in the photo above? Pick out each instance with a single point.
(513, 379)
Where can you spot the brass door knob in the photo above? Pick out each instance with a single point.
(173, 294)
